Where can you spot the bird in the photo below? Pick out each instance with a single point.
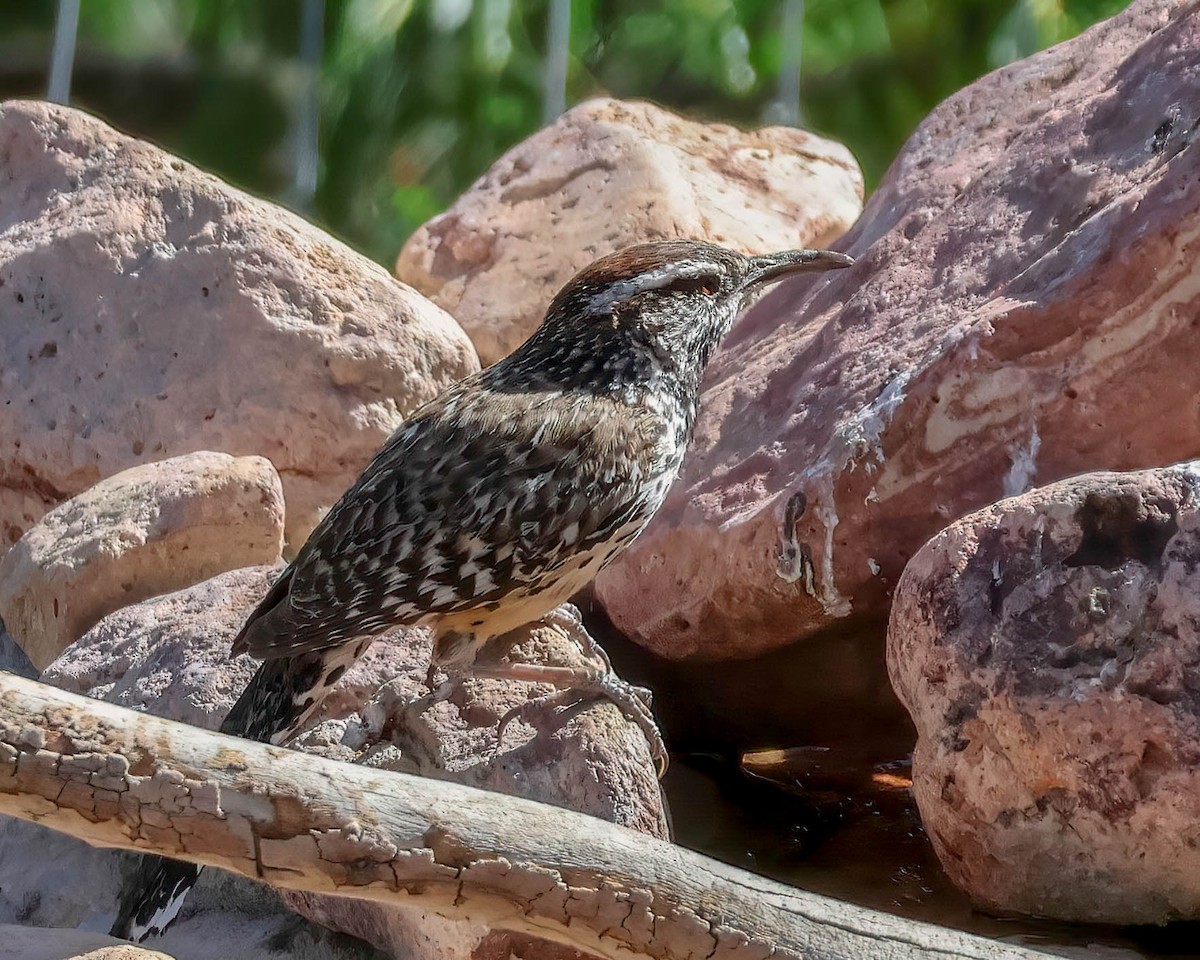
(498, 500)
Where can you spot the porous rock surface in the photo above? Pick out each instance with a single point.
(1024, 307)
(608, 174)
(1048, 650)
(169, 656)
(147, 310)
(145, 531)
(29, 943)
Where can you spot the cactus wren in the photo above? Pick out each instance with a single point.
(501, 498)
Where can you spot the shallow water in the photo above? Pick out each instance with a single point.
(832, 814)
(865, 845)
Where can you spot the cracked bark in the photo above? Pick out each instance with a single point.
(116, 778)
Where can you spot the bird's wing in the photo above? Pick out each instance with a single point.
(276, 595)
(316, 603)
(469, 502)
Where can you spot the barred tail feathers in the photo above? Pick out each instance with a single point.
(158, 892)
(284, 692)
(275, 703)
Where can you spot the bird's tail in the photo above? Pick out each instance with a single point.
(283, 693)
(153, 900)
(271, 709)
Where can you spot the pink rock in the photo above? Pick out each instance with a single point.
(608, 174)
(169, 655)
(149, 310)
(1022, 310)
(1048, 650)
(145, 531)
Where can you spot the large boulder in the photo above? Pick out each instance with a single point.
(147, 309)
(1048, 650)
(1020, 311)
(147, 530)
(608, 174)
(169, 656)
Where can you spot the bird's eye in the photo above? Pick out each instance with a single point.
(709, 285)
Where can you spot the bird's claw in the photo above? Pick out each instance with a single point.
(437, 693)
(633, 702)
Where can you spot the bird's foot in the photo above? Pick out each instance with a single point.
(437, 691)
(578, 687)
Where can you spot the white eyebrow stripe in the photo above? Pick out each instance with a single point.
(652, 280)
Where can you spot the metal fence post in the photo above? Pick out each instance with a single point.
(558, 48)
(307, 130)
(62, 56)
(791, 40)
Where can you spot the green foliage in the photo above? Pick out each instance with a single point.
(418, 97)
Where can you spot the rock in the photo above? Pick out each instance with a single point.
(609, 174)
(27, 943)
(147, 310)
(12, 658)
(49, 879)
(1047, 649)
(145, 531)
(1016, 316)
(59, 895)
(169, 656)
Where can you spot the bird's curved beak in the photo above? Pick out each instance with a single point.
(775, 266)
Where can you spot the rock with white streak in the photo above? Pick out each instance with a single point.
(608, 174)
(1023, 308)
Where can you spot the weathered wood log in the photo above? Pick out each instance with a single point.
(117, 778)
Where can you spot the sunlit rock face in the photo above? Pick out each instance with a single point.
(1024, 308)
(145, 531)
(1048, 650)
(148, 310)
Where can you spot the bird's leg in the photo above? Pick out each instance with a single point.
(450, 653)
(580, 685)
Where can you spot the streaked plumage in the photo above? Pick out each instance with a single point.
(501, 498)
